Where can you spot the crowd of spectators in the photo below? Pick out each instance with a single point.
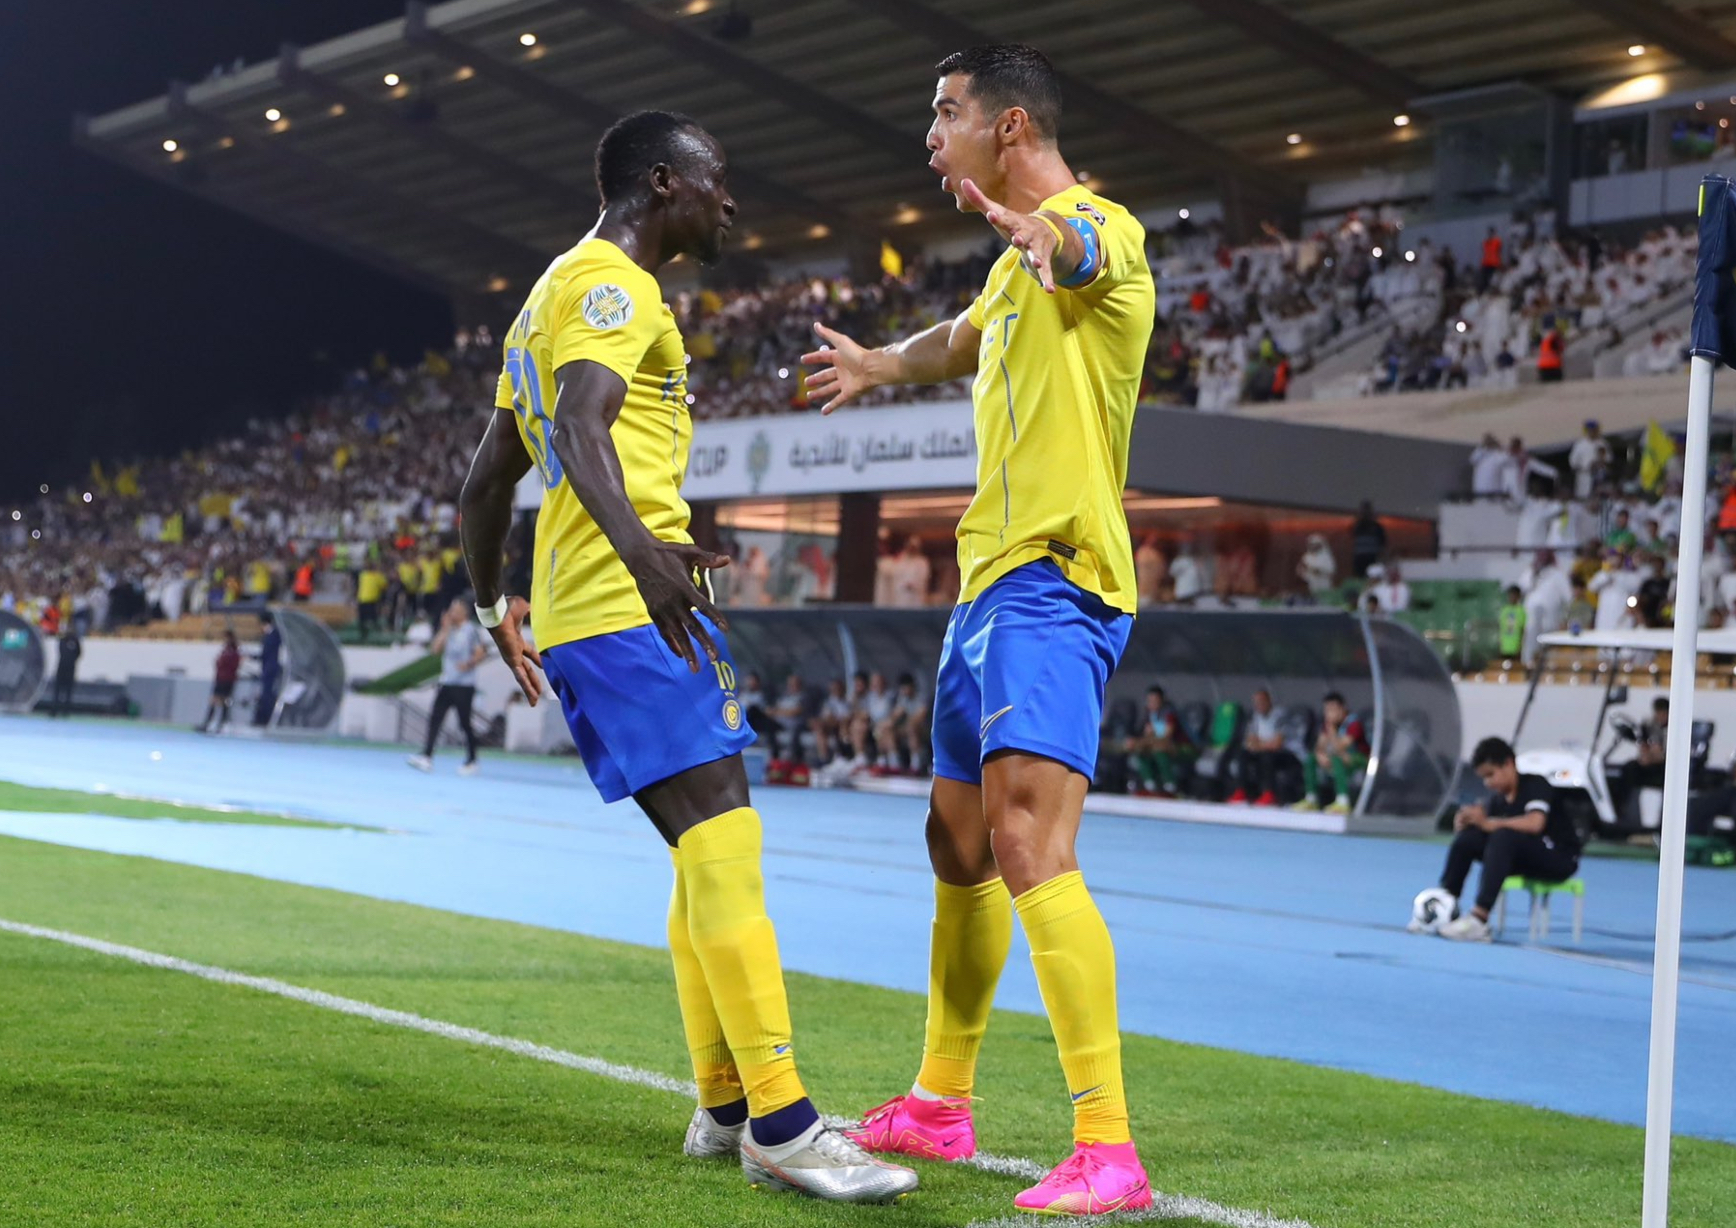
(1600, 531)
(1533, 295)
(353, 497)
(863, 725)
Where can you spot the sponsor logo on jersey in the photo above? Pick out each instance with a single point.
(1097, 216)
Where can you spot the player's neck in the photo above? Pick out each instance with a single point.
(1034, 175)
(635, 232)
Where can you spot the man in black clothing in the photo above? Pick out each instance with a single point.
(270, 668)
(1519, 830)
(1367, 540)
(66, 668)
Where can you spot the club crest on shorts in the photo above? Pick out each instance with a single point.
(732, 714)
(607, 306)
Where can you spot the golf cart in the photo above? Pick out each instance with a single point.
(1597, 794)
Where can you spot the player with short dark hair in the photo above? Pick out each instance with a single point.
(594, 395)
(1056, 342)
(1519, 830)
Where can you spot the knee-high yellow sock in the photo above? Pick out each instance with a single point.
(973, 928)
(736, 946)
(1075, 963)
(713, 1065)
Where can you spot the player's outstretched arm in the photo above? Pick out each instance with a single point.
(587, 402)
(485, 507)
(946, 351)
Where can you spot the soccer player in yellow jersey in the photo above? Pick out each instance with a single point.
(594, 395)
(1056, 341)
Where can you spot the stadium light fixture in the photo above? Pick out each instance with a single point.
(36, 535)
(17, 515)
(1295, 138)
(464, 73)
(690, 398)
(272, 115)
(170, 145)
(1724, 123)
(43, 488)
(1637, 50)
(1410, 257)
(1459, 326)
(87, 496)
(783, 373)
(906, 214)
(819, 230)
(1401, 121)
(1377, 253)
(498, 285)
(392, 79)
(1699, 106)
(1182, 214)
(527, 39)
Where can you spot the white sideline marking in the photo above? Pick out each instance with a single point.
(1165, 1206)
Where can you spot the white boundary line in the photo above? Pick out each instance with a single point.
(1165, 1206)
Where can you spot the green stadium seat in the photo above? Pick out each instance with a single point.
(1540, 891)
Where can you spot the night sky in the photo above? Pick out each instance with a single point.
(139, 320)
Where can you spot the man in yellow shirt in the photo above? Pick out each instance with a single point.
(370, 591)
(428, 584)
(594, 395)
(1056, 342)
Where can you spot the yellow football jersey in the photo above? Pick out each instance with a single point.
(595, 304)
(1057, 378)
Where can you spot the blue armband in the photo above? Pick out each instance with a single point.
(1091, 262)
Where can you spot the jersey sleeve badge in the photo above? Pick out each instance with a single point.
(607, 306)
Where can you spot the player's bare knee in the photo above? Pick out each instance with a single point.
(958, 860)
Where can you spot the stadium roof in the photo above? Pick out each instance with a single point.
(452, 146)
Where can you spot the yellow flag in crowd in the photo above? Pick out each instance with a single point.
(891, 263)
(174, 529)
(98, 479)
(127, 482)
(1655, 456)
(436, 364)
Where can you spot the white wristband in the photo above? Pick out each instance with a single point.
(491, 615)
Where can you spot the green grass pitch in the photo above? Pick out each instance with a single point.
(137, 1096)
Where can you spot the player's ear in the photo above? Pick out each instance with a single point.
(662, 180)
(1014, 120)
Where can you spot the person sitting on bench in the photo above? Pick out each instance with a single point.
(1519, 830)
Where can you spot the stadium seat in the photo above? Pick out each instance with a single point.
(1540, 892)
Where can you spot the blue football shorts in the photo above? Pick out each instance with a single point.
(637, 713)
(1024, 667)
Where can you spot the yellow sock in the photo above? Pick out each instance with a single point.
(736, 946)
(973, 928)
(1075, 963)
(713, 1066)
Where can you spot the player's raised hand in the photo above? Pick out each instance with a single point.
(1033, 236)
(666, 573)
(516, 652)
(843, 374)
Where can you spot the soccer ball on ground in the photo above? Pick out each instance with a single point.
(1431, 910)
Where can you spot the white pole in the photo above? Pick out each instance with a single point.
(1666, 960)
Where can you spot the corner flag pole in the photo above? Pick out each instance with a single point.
(1713, 287)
